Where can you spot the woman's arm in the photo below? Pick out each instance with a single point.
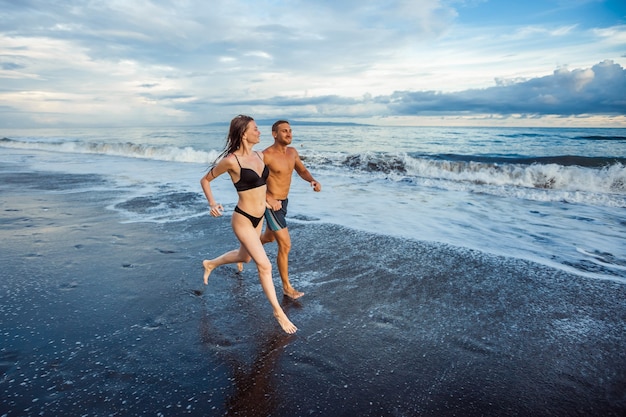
(205, 182)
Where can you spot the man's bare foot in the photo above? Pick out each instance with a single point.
(239, 266)
(207, 270)
(285, 323)
(292, 293)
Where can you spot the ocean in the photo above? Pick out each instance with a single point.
(556, 196)
(446, 272)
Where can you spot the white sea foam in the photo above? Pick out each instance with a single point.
(129, 150)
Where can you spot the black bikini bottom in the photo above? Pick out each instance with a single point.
(254, 220)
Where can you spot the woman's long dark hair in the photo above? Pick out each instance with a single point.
(235, 134)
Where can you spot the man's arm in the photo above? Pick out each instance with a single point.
(305, 174)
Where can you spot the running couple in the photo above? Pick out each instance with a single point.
(262, 181)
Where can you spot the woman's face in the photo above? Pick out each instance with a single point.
(252, 133)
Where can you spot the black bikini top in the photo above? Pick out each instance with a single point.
(249, 179)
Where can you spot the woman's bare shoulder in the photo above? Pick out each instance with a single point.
(227, 163)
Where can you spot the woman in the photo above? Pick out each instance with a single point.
(248, 173)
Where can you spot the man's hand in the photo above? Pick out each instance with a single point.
(316, 186)
(274, 204)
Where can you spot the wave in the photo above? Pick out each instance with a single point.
(562, 173)
(126, 149)
(561, 136)
(564, 160)
(601, 137)
(567, 173)
(552, 176)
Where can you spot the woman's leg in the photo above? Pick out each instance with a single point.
(266, 237)
(251, 242)
(234, 256)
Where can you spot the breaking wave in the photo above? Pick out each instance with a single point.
(604, 177)
(124, 149)
(567, 173)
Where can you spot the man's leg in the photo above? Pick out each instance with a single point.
(282, 260)
(268, 236)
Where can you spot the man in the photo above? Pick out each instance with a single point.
(282, 159)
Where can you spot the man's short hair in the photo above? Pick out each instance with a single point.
(277, 123)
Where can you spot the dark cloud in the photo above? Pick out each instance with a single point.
(599, 90)
(166, 97)
(10, 66)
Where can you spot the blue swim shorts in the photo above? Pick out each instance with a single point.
(276, 218)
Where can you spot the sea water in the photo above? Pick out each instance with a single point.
(556, 196)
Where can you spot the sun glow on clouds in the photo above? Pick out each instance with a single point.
(419, 61)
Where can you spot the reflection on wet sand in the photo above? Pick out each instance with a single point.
(253, 388)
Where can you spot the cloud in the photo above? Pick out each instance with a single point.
(171, 61)
(599, 90)
(11, 66)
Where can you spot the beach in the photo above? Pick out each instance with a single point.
(106, 317)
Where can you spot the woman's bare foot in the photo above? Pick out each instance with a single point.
(207, 270)
(292, 293)
(239, 266)
(285, 323)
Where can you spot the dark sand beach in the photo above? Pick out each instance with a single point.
(101, 317)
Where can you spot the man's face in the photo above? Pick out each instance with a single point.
(283, 134)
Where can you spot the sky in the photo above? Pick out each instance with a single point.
(388, 62)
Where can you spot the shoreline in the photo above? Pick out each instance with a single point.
(103, 318)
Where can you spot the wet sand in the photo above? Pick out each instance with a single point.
(100, 318)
